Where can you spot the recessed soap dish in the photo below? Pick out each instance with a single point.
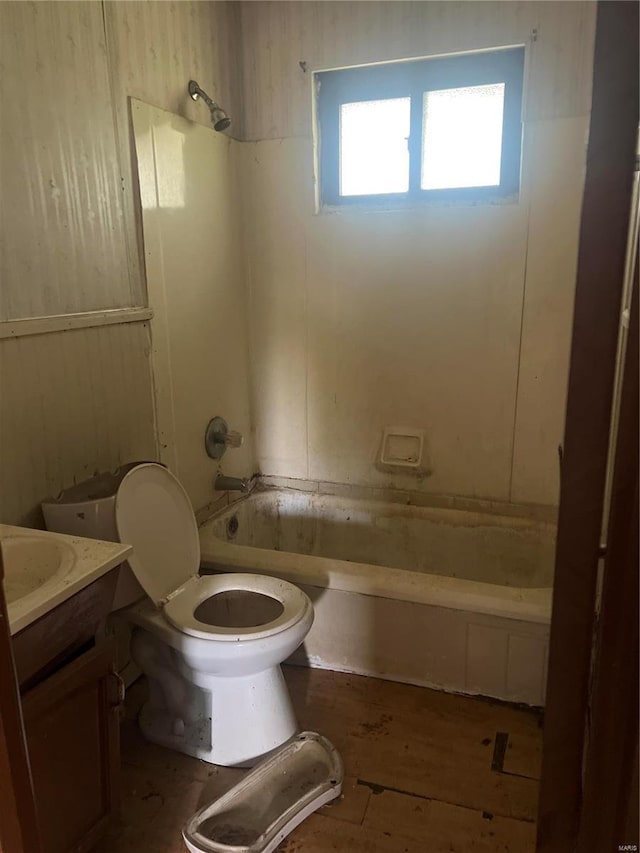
(402, 447)
(271, 800)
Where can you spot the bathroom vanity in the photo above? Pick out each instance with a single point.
(59, 591)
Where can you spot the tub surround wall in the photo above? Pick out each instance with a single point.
(276, 37)
(193, 261)
(408, 497)
(461, 314)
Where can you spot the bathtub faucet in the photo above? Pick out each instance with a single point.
(230, 484)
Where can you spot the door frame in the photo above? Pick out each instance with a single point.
(601, 268)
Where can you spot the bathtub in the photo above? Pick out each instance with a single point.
(448, 598)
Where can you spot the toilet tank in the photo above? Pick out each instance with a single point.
(88, 509)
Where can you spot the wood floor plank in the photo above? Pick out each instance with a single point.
(155, 807)
(321, 834)
(353, 803)
(147, 839)
(523, 756)
(137, 751)
(416, 744)
(443, 834)
(474, 710)
(447, 827)
(219, 782)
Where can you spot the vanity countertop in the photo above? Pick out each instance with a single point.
(43, 569)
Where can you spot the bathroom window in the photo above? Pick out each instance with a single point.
(444, 129)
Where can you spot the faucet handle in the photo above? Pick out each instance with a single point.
(218, 437)
(232, 438)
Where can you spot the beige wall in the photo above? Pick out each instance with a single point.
(455, 320)
(74, 402)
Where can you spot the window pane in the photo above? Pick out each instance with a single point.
(462, 137)
(374, 155)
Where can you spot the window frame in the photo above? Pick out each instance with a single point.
(412, 78)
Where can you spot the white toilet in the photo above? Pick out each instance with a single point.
(211, 645)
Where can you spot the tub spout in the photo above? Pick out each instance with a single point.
(230, 484)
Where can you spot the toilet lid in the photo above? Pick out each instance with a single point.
(154, 514)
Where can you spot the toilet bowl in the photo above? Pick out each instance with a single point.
(210, 645)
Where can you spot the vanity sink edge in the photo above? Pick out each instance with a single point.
(43, 569)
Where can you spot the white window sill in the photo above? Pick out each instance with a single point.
(414, 206)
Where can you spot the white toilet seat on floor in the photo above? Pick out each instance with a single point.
(180, 608)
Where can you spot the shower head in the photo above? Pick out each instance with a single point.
(219, 119)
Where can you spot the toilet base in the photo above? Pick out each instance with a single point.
(232, 722)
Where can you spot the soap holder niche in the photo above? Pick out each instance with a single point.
(403, 447)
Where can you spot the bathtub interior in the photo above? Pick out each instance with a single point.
(489, 548)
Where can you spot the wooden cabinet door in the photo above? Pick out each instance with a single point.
(71, 722)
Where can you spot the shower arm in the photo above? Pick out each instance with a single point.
(219, 119)
(196, 92)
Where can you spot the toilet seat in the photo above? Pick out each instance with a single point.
(180, 609)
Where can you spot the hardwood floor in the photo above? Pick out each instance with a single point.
(426, 772)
